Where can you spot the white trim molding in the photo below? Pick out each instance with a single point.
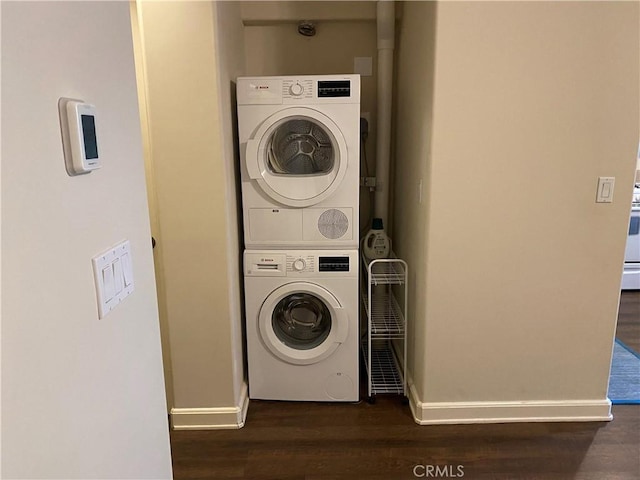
(216, 418)
(434, 413)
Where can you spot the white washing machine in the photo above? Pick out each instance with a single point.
(299, 148)
(302, 324)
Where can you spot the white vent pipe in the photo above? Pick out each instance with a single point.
(386, 42)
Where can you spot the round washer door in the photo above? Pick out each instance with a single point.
(302, 323)
(298, 157)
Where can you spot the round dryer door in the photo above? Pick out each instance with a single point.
(298, 157)
(302, 323)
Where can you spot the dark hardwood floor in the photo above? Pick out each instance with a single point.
(316, 441)
(628, 330)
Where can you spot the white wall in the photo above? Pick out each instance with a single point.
(530, 103)
(152, 196)
(230, 50)
(191, 165)
(413, 111)
(81, 397)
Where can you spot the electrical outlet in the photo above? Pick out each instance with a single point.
(368, 182)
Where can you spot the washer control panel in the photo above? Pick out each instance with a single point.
(302, 263)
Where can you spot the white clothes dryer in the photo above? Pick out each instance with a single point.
(300, 159)
(302, 324)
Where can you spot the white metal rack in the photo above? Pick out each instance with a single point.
(386, 331)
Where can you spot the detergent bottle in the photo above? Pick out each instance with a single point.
(376, 244)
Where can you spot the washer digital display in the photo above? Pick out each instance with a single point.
(333, 264)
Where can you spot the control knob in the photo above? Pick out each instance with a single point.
(299, 264)
(296, 89)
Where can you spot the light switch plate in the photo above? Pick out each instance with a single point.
(605, 189)
(113, 275)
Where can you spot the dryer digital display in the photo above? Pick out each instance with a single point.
(334, 88)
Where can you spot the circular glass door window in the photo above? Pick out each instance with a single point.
(301, 321)
(300, 146)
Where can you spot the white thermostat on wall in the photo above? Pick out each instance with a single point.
(79, 136)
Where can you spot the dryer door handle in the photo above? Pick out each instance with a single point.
(251, 159)
(342, 325)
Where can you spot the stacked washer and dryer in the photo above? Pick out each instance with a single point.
(299, 148)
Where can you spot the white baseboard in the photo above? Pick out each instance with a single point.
(435, 413)
(217, 418)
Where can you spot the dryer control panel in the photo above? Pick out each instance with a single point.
(296, 90)
(305, 263)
